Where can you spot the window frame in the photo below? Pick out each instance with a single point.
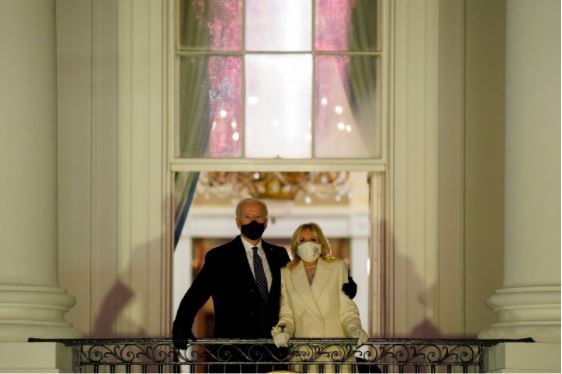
(379, 164)
(378, 169)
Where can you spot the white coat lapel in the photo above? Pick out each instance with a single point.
(324, 272)
(300, 282)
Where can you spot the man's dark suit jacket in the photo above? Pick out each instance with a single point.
(240, 312)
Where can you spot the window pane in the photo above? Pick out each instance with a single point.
(346, 25)
(278, 106)
(278, 25)
(211, 24)
(347, 115)
(210, 107)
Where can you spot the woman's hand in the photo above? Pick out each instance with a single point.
(280, 337)
(361, 336)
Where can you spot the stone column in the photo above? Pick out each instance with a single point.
(31, 302)
(529, 303)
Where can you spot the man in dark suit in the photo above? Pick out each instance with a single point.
(243, 277)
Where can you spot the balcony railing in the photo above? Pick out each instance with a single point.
(302, 355)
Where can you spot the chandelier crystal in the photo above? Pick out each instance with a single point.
(310, 186)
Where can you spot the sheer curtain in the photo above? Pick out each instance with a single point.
(347, 112)
(185, 186)
(193, 115)
(210, 107)
(362, 70)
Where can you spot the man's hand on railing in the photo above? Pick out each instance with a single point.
(181, 338)
(361, 336)
(350, 288)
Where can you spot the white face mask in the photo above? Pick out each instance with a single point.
(309, 251)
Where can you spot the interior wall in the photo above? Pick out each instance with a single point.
(484, 158)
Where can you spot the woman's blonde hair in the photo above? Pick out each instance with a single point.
(295, 241)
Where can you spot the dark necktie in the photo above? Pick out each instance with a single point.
(261, 281)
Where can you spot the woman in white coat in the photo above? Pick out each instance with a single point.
(313, 304)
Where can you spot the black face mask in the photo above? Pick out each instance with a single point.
(253, 230)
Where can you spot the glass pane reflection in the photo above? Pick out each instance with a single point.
(346, 25)
(211, 25)
(278, 25)
(278, 108)
(210, 107)
(347, 115)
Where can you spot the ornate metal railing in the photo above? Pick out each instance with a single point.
(302, 355)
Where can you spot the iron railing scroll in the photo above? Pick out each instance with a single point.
(260, 355)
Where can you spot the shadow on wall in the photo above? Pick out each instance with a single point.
(407, 282)
(113, 319)
(114, 316)
(421, 307)
(426, 328)
(111, 309)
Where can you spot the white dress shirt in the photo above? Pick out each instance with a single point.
(250, 255)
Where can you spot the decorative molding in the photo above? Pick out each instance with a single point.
(450, 308)
(125, 144)
(380, 268)
(208, 164)
(143, 261)
(104, 158)
(413, 300)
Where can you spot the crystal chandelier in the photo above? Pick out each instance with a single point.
(310, 186)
